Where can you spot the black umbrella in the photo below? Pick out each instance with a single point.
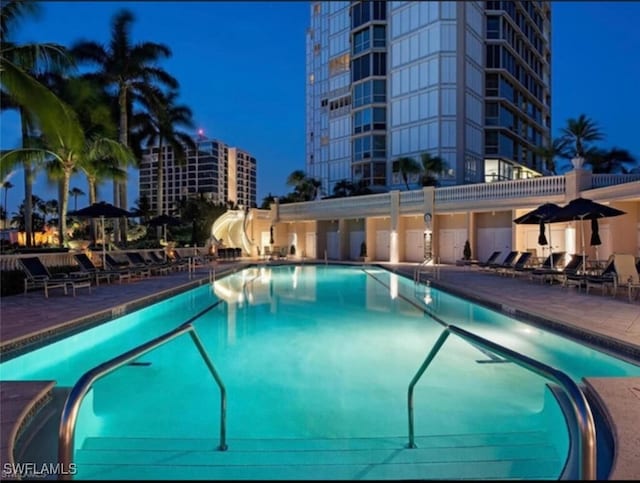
(539, 216)
(581, 209)
(271, 241)
(102, 210)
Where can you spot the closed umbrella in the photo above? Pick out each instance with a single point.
(542, 239)
(541, 215)
(102, 210)
(581, 209)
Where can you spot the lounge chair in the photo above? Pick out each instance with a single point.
(507, 262)
(626, 273)
(38, 275)
(548, 268)
(87, 266)
(114, 264)
(520, 266)
(138, 262)
(161, 262)
(605, 279)
(492, 259)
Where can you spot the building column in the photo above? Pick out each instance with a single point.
(393, 226)
(343, 239)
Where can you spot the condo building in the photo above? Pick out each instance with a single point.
(215, 170)
(466, 81)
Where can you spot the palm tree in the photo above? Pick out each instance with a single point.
(579, 133)
(75, 192)
(38, 106)
(342, 188)
(158, 127)
(406, 166)
(549, 153)
(608, 161)
(129, 70)
(433, 166)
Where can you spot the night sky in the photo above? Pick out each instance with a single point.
(241, 68)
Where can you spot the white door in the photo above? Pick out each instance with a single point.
(310, 245)
(451, 244)
(414, 246)
(355, 241)
(382, 245)
(492, 239)
(333, 245)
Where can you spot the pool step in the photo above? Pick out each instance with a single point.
(525, 455)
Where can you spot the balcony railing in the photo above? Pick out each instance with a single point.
(601, 180)
(520, 188)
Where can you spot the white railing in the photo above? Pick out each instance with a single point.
(520, 188)
(601, 180)
(351, 206)
(411, 197)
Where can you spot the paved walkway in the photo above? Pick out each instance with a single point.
(26, 321)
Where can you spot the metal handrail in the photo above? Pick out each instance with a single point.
(84, 384)
(584, 417)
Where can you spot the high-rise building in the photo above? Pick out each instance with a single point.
(219, 172)
(466, 81)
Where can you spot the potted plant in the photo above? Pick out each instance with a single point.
(466, 251)
(363, 251)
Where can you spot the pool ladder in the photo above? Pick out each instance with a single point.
(430, 267)
(85, 383)
(586, 443)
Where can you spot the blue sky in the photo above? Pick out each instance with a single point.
(241, 68)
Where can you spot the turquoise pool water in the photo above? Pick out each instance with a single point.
(315, 352)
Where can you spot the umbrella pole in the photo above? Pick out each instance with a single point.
(584, 260)
(104, 251)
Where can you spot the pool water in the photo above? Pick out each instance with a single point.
(315, 353)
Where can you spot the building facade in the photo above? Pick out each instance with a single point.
(465, 81)
(219, 172)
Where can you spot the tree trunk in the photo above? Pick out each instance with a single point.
(64, 203)
(160, 192)
(28, 183)
(120, 187)
(93, 198)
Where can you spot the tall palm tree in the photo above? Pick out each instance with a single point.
(432, 166)
(129, 70)
(158, 128)
(38, 106)
(406, 166)
(578, 133)
(75, 192)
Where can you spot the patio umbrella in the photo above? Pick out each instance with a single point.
(102, 210)
(541, 215)
(271, 242)
(581, 209)
(165, 220)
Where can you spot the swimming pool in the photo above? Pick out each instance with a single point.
(316, 361)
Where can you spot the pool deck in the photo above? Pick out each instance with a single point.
(610, 323)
